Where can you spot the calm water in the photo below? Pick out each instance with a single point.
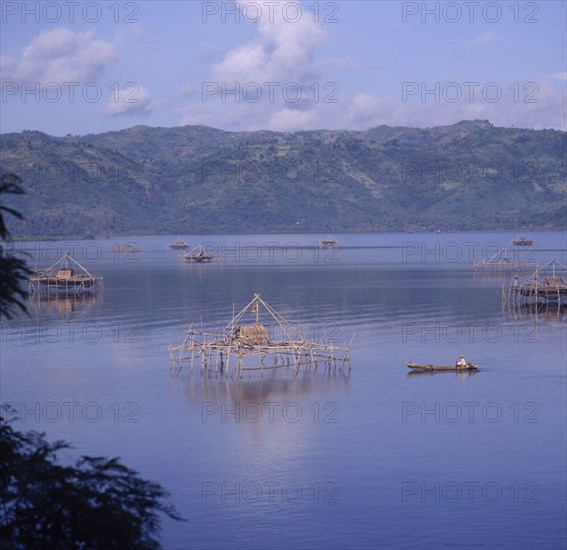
(371, 458)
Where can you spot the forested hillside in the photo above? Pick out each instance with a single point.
(195, 179)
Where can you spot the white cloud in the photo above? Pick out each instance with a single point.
(537, 103)
(59, 55)
(62, 57)
(559, 76)
(131, 100)
(280, 75)
(485, 39)
(284, 53)
(288, 120)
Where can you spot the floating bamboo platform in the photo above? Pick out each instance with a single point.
(328, 243)
(544, 284)
(198, 255)
(179, 244)
(126, 248)
(522, 240)
(242, 347)
(65, 275)
(501, 262)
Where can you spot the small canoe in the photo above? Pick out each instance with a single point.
(429, 367)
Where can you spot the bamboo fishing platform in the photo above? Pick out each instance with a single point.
(242, 347)
(501, 262)
(129, 247)
(538, 286)
(199, 255)
(66, 275)
(179, 244)
(328, 243)
(522, 240)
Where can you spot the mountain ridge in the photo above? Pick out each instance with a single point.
(197, 179)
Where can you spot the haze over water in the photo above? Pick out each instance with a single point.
(371, 457)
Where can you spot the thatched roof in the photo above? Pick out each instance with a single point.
(252, 334)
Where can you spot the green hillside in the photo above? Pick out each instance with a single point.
(468, 176)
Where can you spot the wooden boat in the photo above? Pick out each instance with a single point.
(429, 367)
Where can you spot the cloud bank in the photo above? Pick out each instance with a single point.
(60, 55)
(280, 81)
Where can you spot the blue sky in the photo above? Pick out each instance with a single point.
(89, 67)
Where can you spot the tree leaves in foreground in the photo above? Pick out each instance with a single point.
(97, 503)
(12, 270)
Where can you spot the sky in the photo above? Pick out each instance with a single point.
(88, 67)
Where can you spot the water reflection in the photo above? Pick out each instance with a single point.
(548, 312)
(66, 305)
(260, 388)
(187, 434)
(462, 375)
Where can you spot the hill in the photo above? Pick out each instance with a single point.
(195, 179)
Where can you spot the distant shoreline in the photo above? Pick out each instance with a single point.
(43, 238)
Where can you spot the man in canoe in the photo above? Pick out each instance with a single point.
(461, 363)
